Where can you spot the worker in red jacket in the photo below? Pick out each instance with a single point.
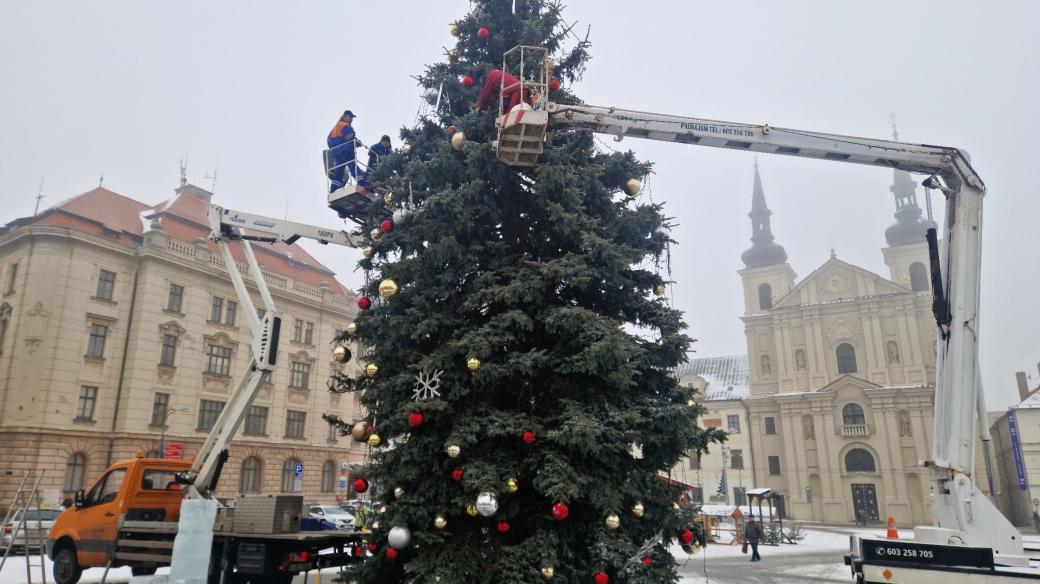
(514, 91)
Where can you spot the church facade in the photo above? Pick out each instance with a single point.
(842, 373)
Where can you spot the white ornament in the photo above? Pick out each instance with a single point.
(399, 537)
(487, 503)
(401, 216)
(426, 386)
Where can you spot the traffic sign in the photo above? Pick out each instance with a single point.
(173, 450)
(342, 482)
(298, 471)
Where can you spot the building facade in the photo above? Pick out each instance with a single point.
(119, 329)
(1016, 452)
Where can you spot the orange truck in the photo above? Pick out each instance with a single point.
(129, 518)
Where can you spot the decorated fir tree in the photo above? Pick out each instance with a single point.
(518, 354)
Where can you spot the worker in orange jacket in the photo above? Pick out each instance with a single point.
(342, 141)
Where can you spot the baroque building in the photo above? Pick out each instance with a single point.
(120, 329)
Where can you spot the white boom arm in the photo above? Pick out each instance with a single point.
(226, 225)
(962, 515)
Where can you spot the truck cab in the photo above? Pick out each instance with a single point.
(84, 536)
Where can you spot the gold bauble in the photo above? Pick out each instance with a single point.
(341, 354)
(406, 149)
(458, 139)
(548, 572)
(352, 328)
(471, 510)
(371, 369)
(387, 288)
(676, 506)
(366, 252)
(454, 30)
(550, 64)
(453, 55)
(512, 485)
(388, 198)
(660, 290)
(612, 521)
(374, 234)
(691, 403)
(374, 440)
(454, 451)
(440, 522)
(632, 187)
(383, 509)
(359, 431)
(473, 363)
(375, 525)
(638, 510)
(398, 492)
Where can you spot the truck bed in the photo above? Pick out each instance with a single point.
(170, 528)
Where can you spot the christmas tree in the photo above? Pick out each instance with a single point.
(518, 353)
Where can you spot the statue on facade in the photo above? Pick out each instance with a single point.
(893, 353)
(799, 360)
(904, 425)
(808, 428)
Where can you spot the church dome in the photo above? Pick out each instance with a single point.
(764, 254)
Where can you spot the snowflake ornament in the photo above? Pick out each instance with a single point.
(426, 386)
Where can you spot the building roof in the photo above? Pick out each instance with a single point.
(724, 377)
(763, 251)
(118, 218)
(1032, 400)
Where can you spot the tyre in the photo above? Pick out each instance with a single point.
(66, 569)
(142, 570)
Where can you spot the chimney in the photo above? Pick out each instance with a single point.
(1023, 385)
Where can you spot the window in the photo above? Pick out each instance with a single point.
(733, 424)
(96, 341)
(159, 480)
(770, 425)
(175, 298)
(918, 277)
(250, 479)
(75, 468)
(106, 285)
(736, 459)
(695, 460)
(160, 403)
(774, 465)
(846, 355)
(3, 331)
(256, 421)
(231, 313)
(294, 424)
(297, 330)
(765, 296)
(12, 278)
(299, 375)
(216, 309)
(740, 495)
(85, 405)
(766, 365)
(859, 460)
(333, 433)
(152, 454)
(697, 495)
(169, 350)
(308, 333)
(288, 479)
(218, 360)
(328, 476)
(852, 415)
(209, 411)
(107, 489)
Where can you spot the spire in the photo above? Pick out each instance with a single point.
(763, 252)
(909, 226)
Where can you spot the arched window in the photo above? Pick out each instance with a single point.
(846, 354)
(765, 296)
(328, 476)
(852, 415)
(918, 277)
(252, 469)
(766, 365)
(287, 474)
(75, 468)
(859, 460)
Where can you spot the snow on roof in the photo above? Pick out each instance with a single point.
(1032, 400)
(724, 377)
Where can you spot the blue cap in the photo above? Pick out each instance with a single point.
(349, 113)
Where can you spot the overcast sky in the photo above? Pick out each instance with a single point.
(250, 90)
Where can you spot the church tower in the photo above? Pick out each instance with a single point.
(767, 276)
(907, 251)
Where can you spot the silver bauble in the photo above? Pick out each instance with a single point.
(613, 521)
(487, 503)
(401, 216)
(399, 537)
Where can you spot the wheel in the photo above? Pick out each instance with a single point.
(66, 569)
(142, 570)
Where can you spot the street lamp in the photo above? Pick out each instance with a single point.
(162, 436)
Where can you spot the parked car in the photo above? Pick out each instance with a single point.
(37, 526)
(333, 514)
(352, 505)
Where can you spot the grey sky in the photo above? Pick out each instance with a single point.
(126, 88)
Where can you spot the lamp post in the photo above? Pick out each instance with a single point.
(162, 435)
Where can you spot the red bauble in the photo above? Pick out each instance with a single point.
(686, 537)
(554, 84)
(483, 34)
(364, 303)
(369, 430)
(451, 129)
(648, 561)
(528, 437)
(386, 226)
(415, 419)
(391, 553)
(456, 475)
(560, 511)
(601, 578)
(358, 552)
(503, 526)
(373, 548)
(360, 484)
(467, 81)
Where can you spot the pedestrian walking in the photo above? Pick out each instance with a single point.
(753, 534)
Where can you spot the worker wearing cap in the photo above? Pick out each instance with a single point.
(378, 151)
(513, 90)
(341, 142)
